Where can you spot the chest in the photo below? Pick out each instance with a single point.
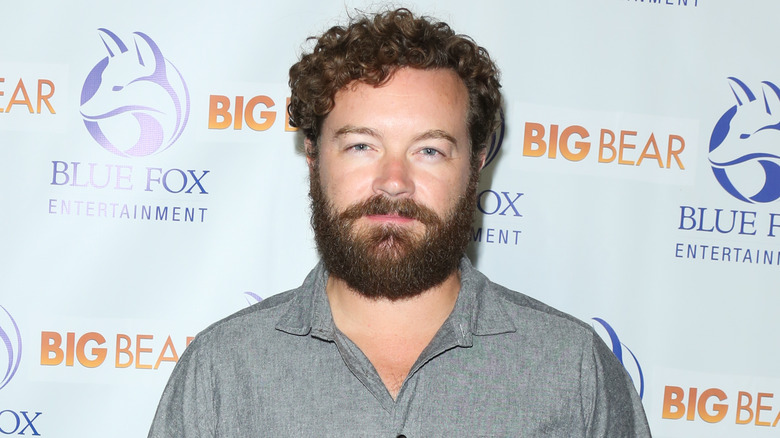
(460, 392)
(392, 358)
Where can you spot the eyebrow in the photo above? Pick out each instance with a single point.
(437, 134)
(427, 135)
(350, 129)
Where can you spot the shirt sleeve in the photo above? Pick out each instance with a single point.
(186, 408)
(609, 397)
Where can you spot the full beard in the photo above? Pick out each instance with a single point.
(388, 260)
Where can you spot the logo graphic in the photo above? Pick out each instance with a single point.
(11, 339)
(617, 347)
(745, 144)
(252, 298)
(134, 101)
(496, 140)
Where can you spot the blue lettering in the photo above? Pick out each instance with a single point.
(92, 176)
(175, 180)
(511, 204)
(684, 216)
(61, 176)
(149, 178)
(678, 250)
(30, 423)
(162, 213)
(669, 2)
(197, 182)
(57, 171)
(16, 417)
(744, 222)
(772, 224)
(701, 221)
(480, 204)
(183, 180)
(486, 199)
(714, 253)
(717, 220)
(504, 235)
(691, 219)
(17, 421)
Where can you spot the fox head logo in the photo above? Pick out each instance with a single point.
(11, 339)
(496, 140)
(134, 101)
(631, 365)
(745, 144)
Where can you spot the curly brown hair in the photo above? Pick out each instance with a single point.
(372, 48)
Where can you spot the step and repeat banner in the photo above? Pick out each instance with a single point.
(151, 184)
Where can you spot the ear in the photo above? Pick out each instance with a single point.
(741, 91)
(147, 52)
(771, 98)
(114, 45)
(482, 158)
(308, 148)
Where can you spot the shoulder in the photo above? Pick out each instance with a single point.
(214, 364)
(531, 317)
(609, 401)
(253, 321)
(527, 306)
(499, 309)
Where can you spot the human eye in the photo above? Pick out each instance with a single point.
(358, 147)
(430, 152)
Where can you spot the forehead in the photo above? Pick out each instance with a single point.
(411, 98)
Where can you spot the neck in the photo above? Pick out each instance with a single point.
(421, 315)
(392, 334)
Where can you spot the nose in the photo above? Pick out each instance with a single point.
(394, 177)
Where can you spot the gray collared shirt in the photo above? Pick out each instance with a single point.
(502, 365)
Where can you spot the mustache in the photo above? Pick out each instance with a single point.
(382, 205)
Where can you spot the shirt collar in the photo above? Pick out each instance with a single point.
(479, 311)
(309, 311)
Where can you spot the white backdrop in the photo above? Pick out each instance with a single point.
(601, 199)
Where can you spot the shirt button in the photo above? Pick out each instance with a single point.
(401, 436)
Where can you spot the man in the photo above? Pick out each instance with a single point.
(394, 333)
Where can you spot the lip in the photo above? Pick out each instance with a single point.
(392, 218)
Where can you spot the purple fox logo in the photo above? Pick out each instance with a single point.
(134, 101)
(11, 339)
(632, 366)
(496, 140)
(252, 298)
(745, 143)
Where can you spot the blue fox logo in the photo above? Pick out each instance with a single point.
(496, 140)
(743, 142)
(11, 339)
(134, 102)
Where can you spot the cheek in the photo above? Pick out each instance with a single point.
(443, 192)
(344, 188)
